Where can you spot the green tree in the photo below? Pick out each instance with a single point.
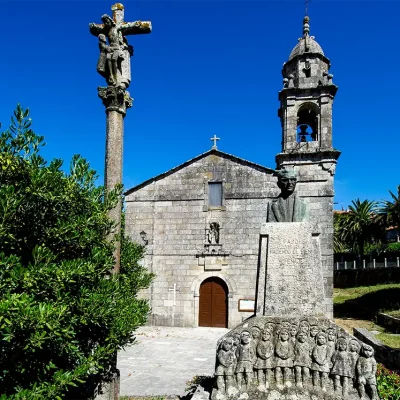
(359, 226)
(391, 209)
(63, 315)
(340, 244)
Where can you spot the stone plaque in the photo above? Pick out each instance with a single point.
(290, 278)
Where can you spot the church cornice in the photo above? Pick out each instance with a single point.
(313, 156)
(315, 92)
(305, 56)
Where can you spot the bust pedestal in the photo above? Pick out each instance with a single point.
(290, 279)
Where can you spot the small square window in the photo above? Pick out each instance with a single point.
(215, 194)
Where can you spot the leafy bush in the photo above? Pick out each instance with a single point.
(393, 247)
(388, 383)
(63, 315)
(375, 249)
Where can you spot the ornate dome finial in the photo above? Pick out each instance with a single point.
(306, 25)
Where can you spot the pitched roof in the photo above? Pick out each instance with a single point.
(199, 157)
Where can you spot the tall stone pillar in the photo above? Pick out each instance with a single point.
(114, 65)
(116, 101)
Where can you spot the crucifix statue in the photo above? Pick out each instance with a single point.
(114, 59)
(114, 65)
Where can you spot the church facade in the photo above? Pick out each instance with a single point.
(200, 221)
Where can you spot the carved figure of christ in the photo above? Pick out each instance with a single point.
(118, 51)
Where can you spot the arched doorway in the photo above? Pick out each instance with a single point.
(213, 304)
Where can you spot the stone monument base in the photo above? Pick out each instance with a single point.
(290, 281)
(292, 393)
(272, 358)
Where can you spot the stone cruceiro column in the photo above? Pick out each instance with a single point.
(114, 65)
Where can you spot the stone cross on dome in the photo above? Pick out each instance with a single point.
(215, 138)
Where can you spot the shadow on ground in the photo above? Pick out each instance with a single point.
(205, 381)
(367, 306)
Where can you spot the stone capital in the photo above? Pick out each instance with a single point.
(115, 99)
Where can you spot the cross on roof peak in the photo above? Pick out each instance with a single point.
(215, 138)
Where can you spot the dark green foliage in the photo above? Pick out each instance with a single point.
(391, 209)
(393, 248)
(359, 227)
(63, 315)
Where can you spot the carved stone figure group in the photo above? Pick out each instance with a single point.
(311, 354)
(115, 52)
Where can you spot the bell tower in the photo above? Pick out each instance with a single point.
(306, 101)
(307, 97)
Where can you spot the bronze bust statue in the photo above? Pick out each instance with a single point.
(287, 207)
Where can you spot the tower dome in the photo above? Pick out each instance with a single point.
(307, 44)
(307, 66)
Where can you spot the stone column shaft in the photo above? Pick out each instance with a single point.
(116, 100)
(113, 172)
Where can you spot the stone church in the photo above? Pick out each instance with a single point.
(200, 221)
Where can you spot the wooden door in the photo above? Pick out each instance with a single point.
(213, 308)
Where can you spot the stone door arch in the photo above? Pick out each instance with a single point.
(213, 303)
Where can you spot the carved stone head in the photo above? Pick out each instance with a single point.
(245, 337)
(266, 335)
(255, 332)
(302, 337)
(321, 338)
(270, 326)
(227, 344)
(341, 344)
(293, 330)
(331, 334)
(236, 339)
(285, 325)
(107, 20)
(354, 346)
(314, 329)
(368, 351)
(283, 335)
(304, 326)
(102, 38)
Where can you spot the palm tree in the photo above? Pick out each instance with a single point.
(391, 209)
(340, 244)
(360, 225)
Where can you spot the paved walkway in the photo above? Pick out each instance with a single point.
(164, 359)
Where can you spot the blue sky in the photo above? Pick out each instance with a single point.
(208, 67)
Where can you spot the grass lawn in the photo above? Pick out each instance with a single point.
(358, 306)
(389, 339)
(342, 295)
(394, 313)
(365, 302)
